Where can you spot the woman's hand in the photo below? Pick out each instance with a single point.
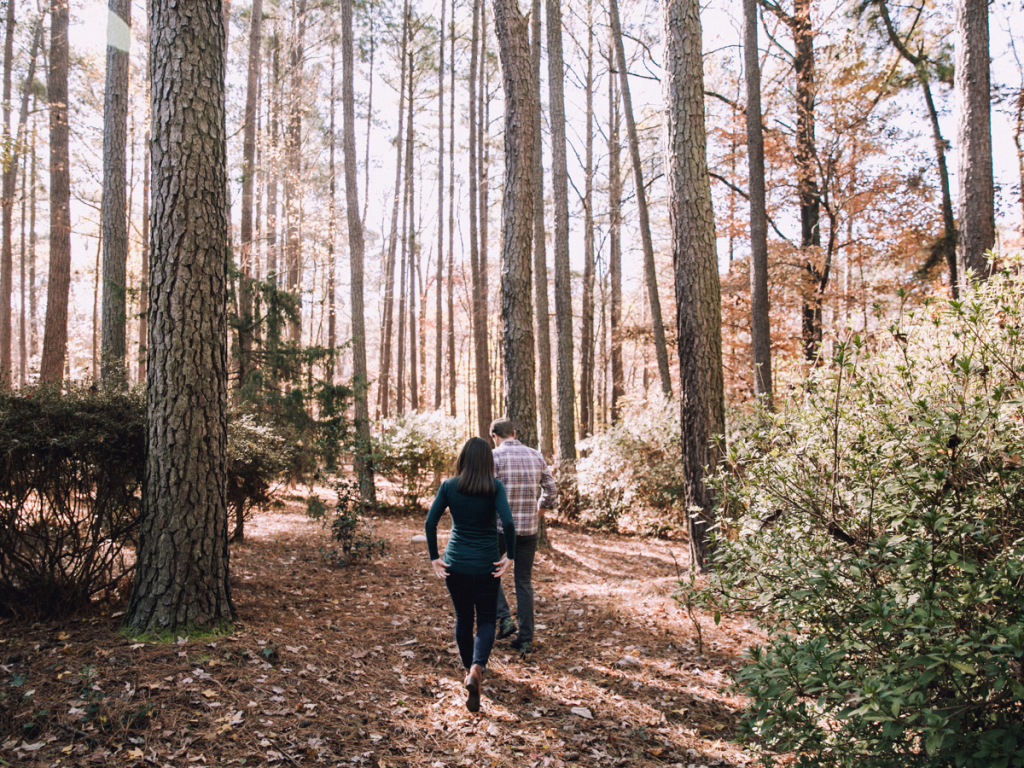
(440, 568)
(503, 565)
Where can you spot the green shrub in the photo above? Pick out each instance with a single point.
(631, 475)
(874, 527)
(258, 457)
(414, 452)
(349, 526)
(70, 476)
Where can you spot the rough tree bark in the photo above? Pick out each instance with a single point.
(113, 345)
(144, 277)
(517, 219)
(695, 262)
(182, 580)
(540, 259)
(650, 273)
(760, 327)
(563, 278)
(971, 83)
(363, 466)
(55, 334)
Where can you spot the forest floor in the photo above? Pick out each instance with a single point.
(357, 666)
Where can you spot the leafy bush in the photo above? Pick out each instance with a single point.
(348, 525)
(414, 451)
(631, 475)
(874, 527)
(258, 458)
(70, 478)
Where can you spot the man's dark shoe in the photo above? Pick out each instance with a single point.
(507, 627)
(522, 646)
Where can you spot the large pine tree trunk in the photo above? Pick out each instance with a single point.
(650, 273)
(587, 323)
(6, 252)
(540, 259)
(181, 579)
(971, 84)
(364, 468)
(245, 320)
(517, 218)
(615, 249)
(695, 261)
(113, 346)
(563, 278)
(55, 335)
(760, 328)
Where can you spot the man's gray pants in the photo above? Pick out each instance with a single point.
(522, 563)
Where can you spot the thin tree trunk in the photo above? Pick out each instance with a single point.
(114, 214)
(410, 137)
(22, 319)
(97, 277)
(6, 253)
(363, 465)
(482, 190)
(760, 327)
(332, 265)
(245, 320)
(971, 84)
(563, 277)
(32, 295)
(650, 273)
(586, 422)
(384, 388)
(181, 577)
(540, 261)
(452, 368)
(293, 176)
(369, 125)
(695, 261)
(55, 336)
(615, 247)
(273, 161)
(438, 310)
(481, 363)
(517, 218)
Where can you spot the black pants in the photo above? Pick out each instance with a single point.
(474, 597)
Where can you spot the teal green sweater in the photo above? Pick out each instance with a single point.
(473, 546)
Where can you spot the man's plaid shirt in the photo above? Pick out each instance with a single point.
(524, 473)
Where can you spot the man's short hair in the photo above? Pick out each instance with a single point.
(503, 428)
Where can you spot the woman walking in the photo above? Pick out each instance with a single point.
(471, 568)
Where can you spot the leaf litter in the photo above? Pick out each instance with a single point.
(357, 666)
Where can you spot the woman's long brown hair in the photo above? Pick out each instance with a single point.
(475, 468)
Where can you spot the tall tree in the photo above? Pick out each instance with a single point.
(22, 318)
(439, 311)
(6, 253)
(245, 320)
(55, 335)
(540, 259)
(332, 259)
(587, 321)
(517, 218)
(563, 277)
(452, 373)
(650, 273)
(9, 184)
(482, 366)
(293, 148)
(273, 118)
(695, 262)
(410, 138)
(114, 214)
(181, 577)
(615, 245)
(971, 82)
(363, 465)
(760, 328)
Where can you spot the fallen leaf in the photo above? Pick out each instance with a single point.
(582, 712)
(210, 693)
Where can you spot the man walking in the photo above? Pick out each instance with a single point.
(526, 476)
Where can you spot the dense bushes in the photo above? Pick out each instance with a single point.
(631, 475)
(414, 452)
(875, 529)
(70, 474)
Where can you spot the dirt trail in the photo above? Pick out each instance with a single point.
(357, 666)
